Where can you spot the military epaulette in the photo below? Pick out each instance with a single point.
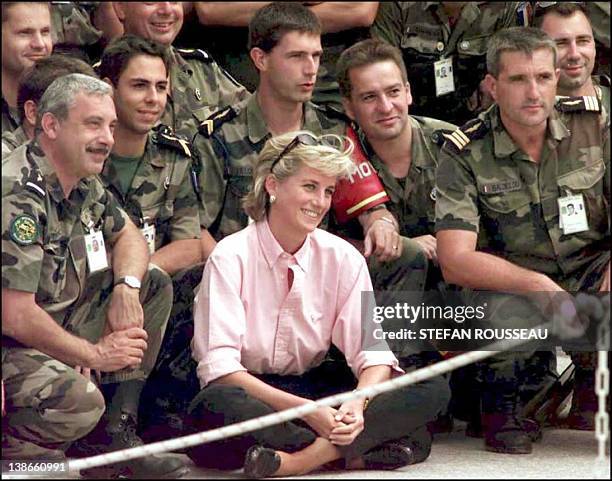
(165, 136)
(439, 136)
(195, 53)
(213, 122)
(460, 138)
(36, 183)
(585, 103)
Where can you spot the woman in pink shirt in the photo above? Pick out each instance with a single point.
(274, 297)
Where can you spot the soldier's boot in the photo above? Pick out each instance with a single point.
(503, 429)
(584, 401)
(117, 430)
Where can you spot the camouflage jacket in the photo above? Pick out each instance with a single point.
(413, 203)
(486, 184)
(43, 246)
(161, 193)
(10, 118)
(228, 143)
(422, 31)
(198, 87)
(12, 139)
(72, 25)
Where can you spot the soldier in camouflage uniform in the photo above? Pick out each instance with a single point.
(26, 37)
(65, 313)
(226, 36)
(32, 86)
(198, 86)
(152, 178)
(444, 46)
(498, 229)
(569, 26)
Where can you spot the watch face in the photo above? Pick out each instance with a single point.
(132, 282)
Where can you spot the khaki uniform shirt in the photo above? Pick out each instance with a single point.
(198, 87)
(43, 245)
(161, 192)
(491, 187)
(424, 34)
(228, 154)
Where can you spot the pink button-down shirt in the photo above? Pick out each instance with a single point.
(247, 319)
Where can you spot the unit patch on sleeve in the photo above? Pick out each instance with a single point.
(24, 229)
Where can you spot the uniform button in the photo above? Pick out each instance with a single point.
(465, 45)
(440, 46)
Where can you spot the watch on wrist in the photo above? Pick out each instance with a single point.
(130, 281)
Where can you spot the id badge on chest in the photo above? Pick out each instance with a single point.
(96, 251)
(443, 74)
(572, 214)
(148, 231)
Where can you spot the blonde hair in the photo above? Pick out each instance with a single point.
(330, 156)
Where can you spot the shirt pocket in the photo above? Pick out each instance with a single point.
(588, 181)
(54, 268)
(508, 221)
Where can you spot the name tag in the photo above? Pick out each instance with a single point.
(499, 187)
(96, 251)
(148, 231)
(572, 214)
(443, 73)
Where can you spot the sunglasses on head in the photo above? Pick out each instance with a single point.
(303, 139)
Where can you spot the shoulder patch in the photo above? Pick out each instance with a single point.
(165, 136)
(213, 122)
(24, 229)
(460, 138)
(585, 103)
(195, 53)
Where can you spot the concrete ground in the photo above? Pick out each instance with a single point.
(561, 454)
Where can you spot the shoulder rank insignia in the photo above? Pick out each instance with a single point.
(213, 122)
(165, 136)
(24, 229)
(195, 53)
(439, 136)
(460, 138)
(578, 104)
(35, 183)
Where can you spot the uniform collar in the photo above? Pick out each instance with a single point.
(256, 124)
(51, 181)
(503, 144)
(273, 251)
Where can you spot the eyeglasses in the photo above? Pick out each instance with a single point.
(303, 139)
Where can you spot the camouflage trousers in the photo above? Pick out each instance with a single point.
(173, 382)
(48, 403)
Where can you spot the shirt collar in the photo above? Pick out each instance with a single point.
(256, 124)
(504, 146)
(273, 251)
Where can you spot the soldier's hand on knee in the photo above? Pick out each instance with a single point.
(125, 310)
(120, 349)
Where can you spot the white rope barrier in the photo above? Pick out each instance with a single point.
(183, 442)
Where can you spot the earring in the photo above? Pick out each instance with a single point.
(272, 199)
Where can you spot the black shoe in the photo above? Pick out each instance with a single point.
(504, 433)
(261, 462)
(389, 455)
(531, 427)
(584, 401)
(121, 434)
(411, 449)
